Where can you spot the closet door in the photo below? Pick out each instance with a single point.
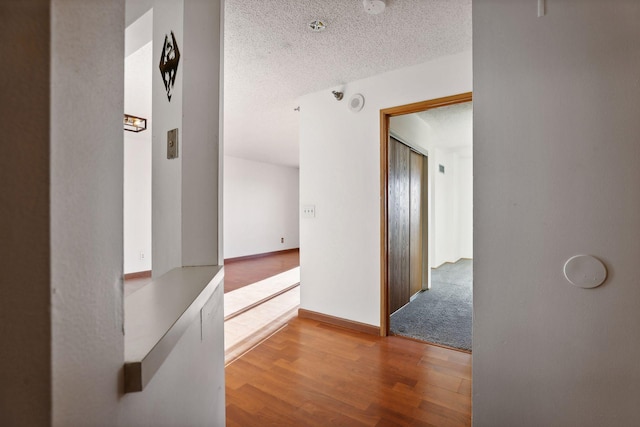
(415, 222)
(398, 224)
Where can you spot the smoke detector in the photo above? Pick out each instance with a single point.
(317, 25)
(374, 7)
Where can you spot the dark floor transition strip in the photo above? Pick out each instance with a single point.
(443, 314)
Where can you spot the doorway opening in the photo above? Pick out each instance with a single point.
(426, 221)
(137, 200)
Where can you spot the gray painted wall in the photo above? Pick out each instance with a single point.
(201, 130)
(556, 125)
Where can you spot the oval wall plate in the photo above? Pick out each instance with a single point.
(356, 102)
(585, 271)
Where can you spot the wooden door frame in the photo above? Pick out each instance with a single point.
(385, 114)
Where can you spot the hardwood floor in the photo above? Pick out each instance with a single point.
(239, 273)
(256, 311)
(313, 374)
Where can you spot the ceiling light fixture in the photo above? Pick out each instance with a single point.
(317, 25)
(374, 7)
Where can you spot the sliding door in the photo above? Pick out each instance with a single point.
(398, 227)
(415, 223)
(406, 226)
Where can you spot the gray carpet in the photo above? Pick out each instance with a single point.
(441, 315)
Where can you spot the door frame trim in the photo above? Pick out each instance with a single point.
(385, 114)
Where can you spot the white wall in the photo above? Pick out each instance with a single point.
(464, 187)
(166, 178)
(453, 193)
(340, 175)
(139, 31)
(261, 203)
(137, 160)
(87, 227)
(185, 218)
(556, 108)
(445, 212)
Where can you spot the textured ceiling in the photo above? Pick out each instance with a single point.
(452, 126)
(271, 58)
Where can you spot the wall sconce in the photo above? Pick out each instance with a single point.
(134, 124)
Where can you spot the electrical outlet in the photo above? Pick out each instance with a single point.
(308, 211)
(282, 240)
(141, 255)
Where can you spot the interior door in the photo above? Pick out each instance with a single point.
(398, 224)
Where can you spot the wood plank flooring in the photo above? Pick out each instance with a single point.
(313, 374)
(247, 271)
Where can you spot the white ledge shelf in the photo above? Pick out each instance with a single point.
(157, 315)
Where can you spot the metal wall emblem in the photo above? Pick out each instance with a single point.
(169, 63)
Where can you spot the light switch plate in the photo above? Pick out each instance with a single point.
(172, 144)
(308, 211)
